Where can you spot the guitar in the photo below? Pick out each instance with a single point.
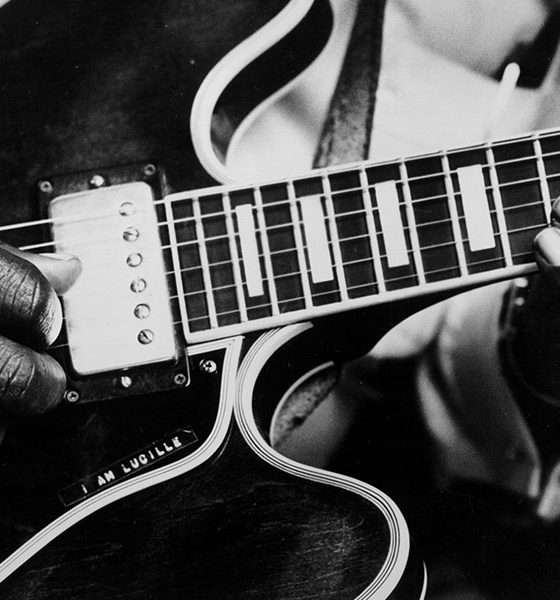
(156, 478)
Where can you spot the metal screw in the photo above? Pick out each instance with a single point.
(149, 170)
(126, 381)
(134, 260)
(208, 366)
(138, 285)
(180, 379)
(45, 186)
(126, 209)
(130, 234)
(97, 181)
(142, 311)
(71, 396)
(146, 336)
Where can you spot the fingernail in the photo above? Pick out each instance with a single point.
(547, 244)
(58, 256)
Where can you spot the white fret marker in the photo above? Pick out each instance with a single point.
(391, 223)
(316, 239)
(475, 206)
(249, 249)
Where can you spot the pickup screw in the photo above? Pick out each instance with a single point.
(179, 379)
(126, 381)
(46, 186)
(146, 336)
(134, 260)
(149, 170)
(71, 396)
(138, 285)
(141, 311)
(126, 209)
(130, 234)
(97, 181)
(208, 366)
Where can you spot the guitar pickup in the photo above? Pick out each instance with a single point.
(118, 313)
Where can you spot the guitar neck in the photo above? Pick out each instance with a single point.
(247, 258)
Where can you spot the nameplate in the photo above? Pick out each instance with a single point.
(128, 466)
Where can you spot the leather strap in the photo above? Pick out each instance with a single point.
(347, 131)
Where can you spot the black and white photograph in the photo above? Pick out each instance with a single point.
(279, 299)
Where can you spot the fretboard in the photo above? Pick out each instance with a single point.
(247, 258)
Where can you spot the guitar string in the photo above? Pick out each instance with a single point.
(219, 191)
(78, 242)
(450, 243)
(316, 294)
(268, 305)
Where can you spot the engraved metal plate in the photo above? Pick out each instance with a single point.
(117, 314)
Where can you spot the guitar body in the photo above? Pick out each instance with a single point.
(174, 494)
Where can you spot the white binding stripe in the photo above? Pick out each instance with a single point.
(475, 206)
(249, 249)
(208, 449)
(316, 237)
(391, 223)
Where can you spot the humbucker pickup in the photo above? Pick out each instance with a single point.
(118, 313)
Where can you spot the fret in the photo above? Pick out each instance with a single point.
(516, 166)
(279, 231)
(266, 250)
(226, 203)
(537, 149)
(434, 228)
(452, 206)
(412, 224)
(173, 247)
(471, 184)
(249, 250)
(299, 245)
(370, 223)
(316, 240)
(550, 146)
(496, 194)
(480, 230)
(334, 237)
(390, 219)
(352, 233)
(212, 313)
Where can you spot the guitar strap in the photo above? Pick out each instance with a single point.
(346, 134)
(345, 138)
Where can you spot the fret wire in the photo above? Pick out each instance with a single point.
(416, 254)
(235, 262)
(266, 251)
(299, 244)
(452, 206)
(389, 280)
(372, 233)
(177, 267)
(497, 196)
(212, 314)
(545, 192)
(331, 223)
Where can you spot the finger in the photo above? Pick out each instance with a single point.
(30, 383)
(30, 312)
(61, 270)
(547, 252)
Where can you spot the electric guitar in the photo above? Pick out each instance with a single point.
(156, 479)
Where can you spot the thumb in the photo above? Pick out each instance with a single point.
(60, 270)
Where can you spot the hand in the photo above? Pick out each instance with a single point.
(31, 382)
